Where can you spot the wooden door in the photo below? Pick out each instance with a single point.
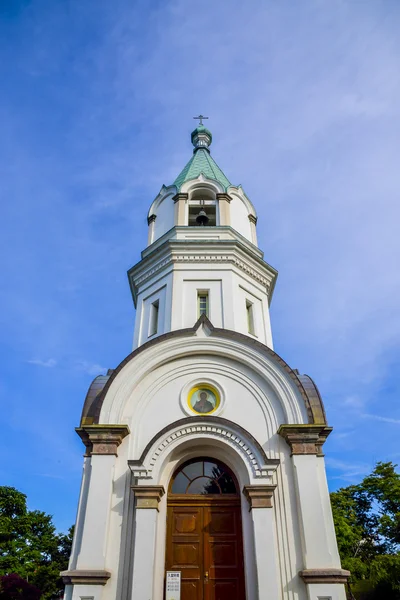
(223, 554)
(204, 542)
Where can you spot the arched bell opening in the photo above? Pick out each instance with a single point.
(202, 210)
(204, 530)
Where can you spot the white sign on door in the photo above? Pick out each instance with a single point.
(173, 585)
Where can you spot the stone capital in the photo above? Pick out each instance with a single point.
(253, 219)
(102, 439)
(225, 197)
(325, 575)
(148, 496)
(259, 496)
(85, 577)
(180, 196)
(305, 439)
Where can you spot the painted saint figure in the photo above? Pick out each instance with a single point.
(203, 405)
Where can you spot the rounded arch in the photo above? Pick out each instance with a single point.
(239, 193)
(164, 193)
(215, 432)
(100, 407)
(202, 182)
(204, 476)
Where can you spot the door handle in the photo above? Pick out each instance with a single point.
(206, 577)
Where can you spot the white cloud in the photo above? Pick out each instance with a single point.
(90, 368)
(380, 418)
(49, 363)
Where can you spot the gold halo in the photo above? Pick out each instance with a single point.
(204, 386)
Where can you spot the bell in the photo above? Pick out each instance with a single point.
(202, 218)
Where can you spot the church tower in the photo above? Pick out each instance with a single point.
(204, 456)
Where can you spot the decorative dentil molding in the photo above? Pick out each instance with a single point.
(259, 470)
(208, 258)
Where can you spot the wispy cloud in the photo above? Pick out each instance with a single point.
(90, 368)
(380, 418)
(348, 471)
(49, 363)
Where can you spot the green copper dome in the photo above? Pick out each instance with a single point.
(201, 161)
(201, 129)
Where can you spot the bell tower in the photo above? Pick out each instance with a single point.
(202, 256)
(203, 448)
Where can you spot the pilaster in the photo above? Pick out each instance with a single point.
(151, 223)
(180, 200)
(253, 223)
(260, 498)
(147, 498)
(322, 572)
(224, 201)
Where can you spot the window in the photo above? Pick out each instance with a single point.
(203, 477)
(153, 322)
(202, 304)
(250, 317)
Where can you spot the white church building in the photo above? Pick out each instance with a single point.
(204, 449)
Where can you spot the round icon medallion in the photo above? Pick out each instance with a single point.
(203, 399)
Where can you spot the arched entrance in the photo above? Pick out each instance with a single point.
(204, 531)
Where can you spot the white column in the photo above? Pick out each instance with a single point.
(260, 499)
(147, 498)
(321, 561)
(88, 569)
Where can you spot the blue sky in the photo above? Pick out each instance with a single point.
(96, 110)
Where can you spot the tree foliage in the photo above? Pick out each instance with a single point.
(367, 523)
(29, 544)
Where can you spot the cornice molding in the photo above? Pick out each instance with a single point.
(325, 575)
(224, 196)
(259, 496)
(203, 251)
(180, 196)
(85, 577)
(305, 439)
(102, 439)
(148, 496)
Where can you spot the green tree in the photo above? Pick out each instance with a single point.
(30, 545)
(367, 523)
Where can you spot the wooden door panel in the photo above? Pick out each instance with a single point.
(191, 590)
(224, 554)
(222, 521)
(186, 520)
(224, 590)
(185, 549)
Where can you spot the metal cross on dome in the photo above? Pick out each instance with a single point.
(201, 117)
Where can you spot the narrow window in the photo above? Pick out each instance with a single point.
(250, 317)
(202, 303)
(153, 324)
